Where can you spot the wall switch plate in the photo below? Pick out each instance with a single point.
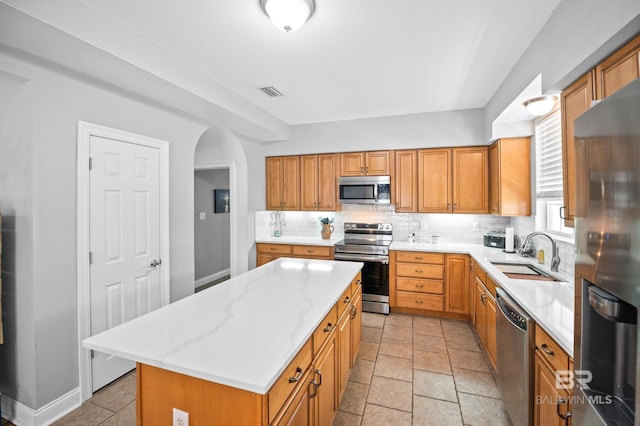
(180, 418)
(202, 216)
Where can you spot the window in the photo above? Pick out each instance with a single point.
(549, 185)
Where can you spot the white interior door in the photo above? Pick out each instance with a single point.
(124, 217)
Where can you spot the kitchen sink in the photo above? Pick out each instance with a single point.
(523, 271)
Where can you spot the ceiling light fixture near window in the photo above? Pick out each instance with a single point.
(271, 91)
(288, 15)
(540, 105)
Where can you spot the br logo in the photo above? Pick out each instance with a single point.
(566, 379)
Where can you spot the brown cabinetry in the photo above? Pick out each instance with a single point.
(551, 401)
(283, 183)
(266, 252)
(457, 279)
(318, 182)
(510, 177)
(484, 313)
(618, 70)
(406, 193)
(453, 180)
(371, 163)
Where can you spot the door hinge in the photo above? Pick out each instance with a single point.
(90, 163)
(90, 258)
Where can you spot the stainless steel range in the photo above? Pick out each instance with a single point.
(369, 243)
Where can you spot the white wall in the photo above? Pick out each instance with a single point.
(38, 119)
(211, 233)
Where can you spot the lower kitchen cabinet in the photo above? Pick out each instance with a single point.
(265, 252)
(457, 283)
(551, 403)
(325, 383)
(484, 313)
(298, 411)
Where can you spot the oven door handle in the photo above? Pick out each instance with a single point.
(362, 258)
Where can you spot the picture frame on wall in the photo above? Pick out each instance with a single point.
(221, 201)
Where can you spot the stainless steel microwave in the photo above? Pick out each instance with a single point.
(365, 190)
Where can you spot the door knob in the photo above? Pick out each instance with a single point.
(155, 263)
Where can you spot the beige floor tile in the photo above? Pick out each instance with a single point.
(390, 393)
(434, 385)
(375, 415)
(354, 398)
(373, 320)
(368, 351)
(397, 348)
(429, 344)
(401, 320)
(362, 371)
(452, 326)
(431, 361)
(434, 412)
(371, 334)
(482, 411)
(124, 417)
(397, 332)
(87, 415)
(117, 395)
(469, 360)
(432, 328)
(476, 382)
(346, 419)
(460, 341)
(394, 368)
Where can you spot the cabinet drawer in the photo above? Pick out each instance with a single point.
(420, 286)
(356, 284)
(288, 380)
(419, 257)
(274, 248)
(491, 286)
(551, 351)
(420, 271)
(480, 273)
(344, 301)
(315, 251)
(325, 328)
(420, 301)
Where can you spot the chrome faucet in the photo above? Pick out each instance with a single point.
(555, 260)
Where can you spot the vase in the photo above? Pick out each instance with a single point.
(326, 231)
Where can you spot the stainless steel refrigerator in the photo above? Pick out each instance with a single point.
(607, 226)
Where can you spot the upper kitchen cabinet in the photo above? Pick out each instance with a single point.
(318, 174)
(618, 70)
(406, 181)
(283, 183)
(372, 163)
(510, 177)
(575, 99)
(453, 180)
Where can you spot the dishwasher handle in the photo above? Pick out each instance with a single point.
(512, 312)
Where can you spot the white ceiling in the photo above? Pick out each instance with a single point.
(353, 58)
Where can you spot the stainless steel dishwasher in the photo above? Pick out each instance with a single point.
(514, 340)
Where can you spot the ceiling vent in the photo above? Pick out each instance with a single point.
(271, 91)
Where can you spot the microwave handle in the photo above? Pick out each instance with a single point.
(375, 191)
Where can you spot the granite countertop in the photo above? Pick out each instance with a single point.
(242, 332)
(550, 303)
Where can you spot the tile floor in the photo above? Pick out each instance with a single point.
(411, 370)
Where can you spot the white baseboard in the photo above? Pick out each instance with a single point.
(204, 280)
(21, 415)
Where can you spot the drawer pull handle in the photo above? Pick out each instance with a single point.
(419, 285)
(297, 376)
(418, 258)
(419, 302)
(419, 271)
(354, 311)
(565, 416)
(328, 328)
(358, 282)
(311, 251)
(315, 389)
(545, 350)
(346, 299)
(273, 249)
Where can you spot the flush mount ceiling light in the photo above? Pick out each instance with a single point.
(288, 15)
(540, 105)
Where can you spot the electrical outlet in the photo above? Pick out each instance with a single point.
(476, 227)
(180, 418)
(202, 216)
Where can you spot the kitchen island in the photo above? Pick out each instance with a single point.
(249, 350)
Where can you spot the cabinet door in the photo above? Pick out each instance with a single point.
(327, 182)
(324, 377)
(618, 70)
(356, 324)
(434, 180)
(480, 311)
(576, 99)
(377, 163)
(494, 178)
(309, 182)
(513, 176)
(406, 181)
(352, 164)
(298, 411)
(470, 180)
(274, 183)
(344, 349)
(457, 284)
(291, 183)
(491, 330)
(549, 402)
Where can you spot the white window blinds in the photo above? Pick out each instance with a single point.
(549, 156)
